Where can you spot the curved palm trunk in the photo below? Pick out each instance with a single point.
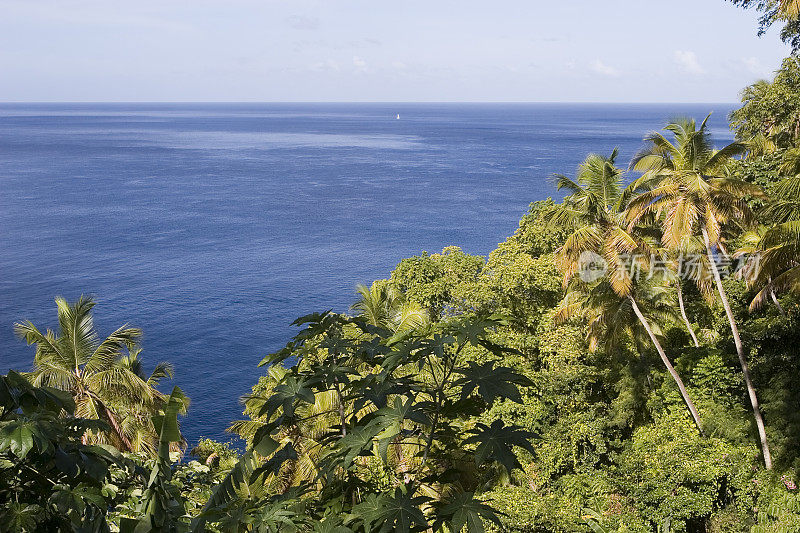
(111, 418)
(777, 303)
(751, 391)
(686, 318)
(670, 368)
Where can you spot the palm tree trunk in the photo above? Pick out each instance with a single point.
(777, 303)
(751, 391)
(685, 318)
(670, 368)
(111, 418)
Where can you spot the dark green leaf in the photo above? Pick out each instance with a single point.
(496, 443)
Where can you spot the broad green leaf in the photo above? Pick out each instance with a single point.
(17, 436)
(464, 510)
(292, 389)
(274, 464)
(357, 442)
(401, 512)
(18, 517)
(491, 382)
(496, 443)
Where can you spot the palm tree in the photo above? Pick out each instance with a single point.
(779, 267)
(313, 423)
(612, 321)
(595, 211)
(775, 251)
(138, 423)
(385, 306)
(788, 9)
(688, 188)
(106, 384)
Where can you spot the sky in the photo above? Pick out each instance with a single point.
(378, 50)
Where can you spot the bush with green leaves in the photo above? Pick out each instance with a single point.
(49, 479)
(445, 283)
(671, 472)
(405, 404)
(778, 504)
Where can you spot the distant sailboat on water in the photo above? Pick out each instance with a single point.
(398, 116)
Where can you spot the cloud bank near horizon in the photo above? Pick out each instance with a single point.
(372, 50)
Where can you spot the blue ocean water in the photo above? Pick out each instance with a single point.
(212, 226)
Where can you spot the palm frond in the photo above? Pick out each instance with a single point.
(724, 154)
(110, 350)
(76, 327)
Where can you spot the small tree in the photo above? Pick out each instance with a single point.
(422, 394)
(49, 480)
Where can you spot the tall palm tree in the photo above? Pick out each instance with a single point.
(688, 187)
(595, 211)
(385, 306)
(612, 321)
(105, 383)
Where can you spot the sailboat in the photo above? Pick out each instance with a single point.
(398, 116)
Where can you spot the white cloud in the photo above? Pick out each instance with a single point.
(360, 64)
(601, 68)
(755, 67)
(301, 22)
(687, 60)
(325, 66)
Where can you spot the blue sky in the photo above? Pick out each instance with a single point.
(377, 50)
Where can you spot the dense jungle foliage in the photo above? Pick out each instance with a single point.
(625, 362)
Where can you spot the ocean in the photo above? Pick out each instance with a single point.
(213, 226)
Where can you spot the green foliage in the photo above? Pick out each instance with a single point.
(49, 480)
(219, 455)
(162, 508)
(536, 233)
(778, 505)
(444, 283)
(772, 109)
(472, 394)
(781, 11)
(105, 382)
(403, 399)
(671, 472)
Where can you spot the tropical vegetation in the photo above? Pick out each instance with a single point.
(626, 361)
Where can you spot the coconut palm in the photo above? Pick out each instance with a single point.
(779, 265)
(688, 188)
(385, 306)
(612, 321)
(774, 252)
(138, 423)
(788, 9)
(595, 212)
(313, 423)
(760, 145)
(105, 383)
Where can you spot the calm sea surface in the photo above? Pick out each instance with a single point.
(212, 226)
